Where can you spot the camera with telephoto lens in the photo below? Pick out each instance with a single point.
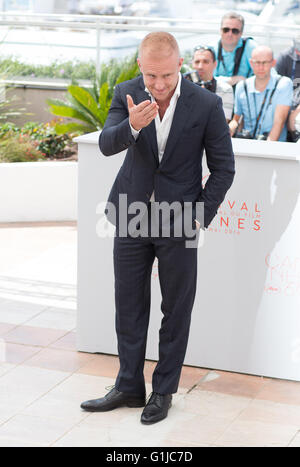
(246, 134)
(262, 137)
(195, 78)
(295, 136)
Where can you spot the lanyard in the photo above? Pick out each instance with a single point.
(265, 98)
(293, 70)
(258, 116)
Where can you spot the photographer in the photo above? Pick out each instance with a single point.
(294, 125)
(233, 51)
(288, 64)
(263, 101)
(204, 63)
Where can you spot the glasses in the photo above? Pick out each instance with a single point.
(208, 48)
(234, 31)
(264, 63)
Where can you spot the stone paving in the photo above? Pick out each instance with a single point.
(43, 378)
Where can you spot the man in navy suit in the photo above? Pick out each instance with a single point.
(165, 122)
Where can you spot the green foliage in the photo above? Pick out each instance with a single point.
(90, 106)
(33, 142)
(6, 127)
(71, 70)
(6, 109)
(18, 148)
(6, 104)
(48, 142)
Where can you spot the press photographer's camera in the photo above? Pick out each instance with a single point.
(294, 136)
(195, 78)
(246, 134)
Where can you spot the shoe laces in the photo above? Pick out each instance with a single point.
(152, 395)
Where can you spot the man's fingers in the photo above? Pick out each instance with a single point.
(142, 114)
(143, 105)
(150, 110)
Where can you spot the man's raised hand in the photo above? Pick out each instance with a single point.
(141, 115)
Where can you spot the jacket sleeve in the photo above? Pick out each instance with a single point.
(220, 161)
(116, 135)
(281, 65)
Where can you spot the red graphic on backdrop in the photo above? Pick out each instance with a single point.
(283, 276)
(235, 216)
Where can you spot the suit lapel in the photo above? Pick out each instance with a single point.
(150, 130)
(180, 118)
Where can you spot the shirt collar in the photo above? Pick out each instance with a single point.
(239, 44)
(251, 84)
(176, 92)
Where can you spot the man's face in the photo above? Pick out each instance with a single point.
(160, 72)
(231, 32)
(203, 62)
(261, 63)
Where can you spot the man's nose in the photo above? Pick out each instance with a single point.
(159, 84)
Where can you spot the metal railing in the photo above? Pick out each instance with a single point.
(266, 32)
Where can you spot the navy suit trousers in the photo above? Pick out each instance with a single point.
(177, 271)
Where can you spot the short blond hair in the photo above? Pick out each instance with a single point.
(159, 41)
(233, 15)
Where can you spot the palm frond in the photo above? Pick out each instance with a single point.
(91, 105)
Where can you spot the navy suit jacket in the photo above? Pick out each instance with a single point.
(199, 123)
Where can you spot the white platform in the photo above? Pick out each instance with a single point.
(246, 316)
(38, 191)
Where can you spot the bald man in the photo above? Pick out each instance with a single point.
(165, 122)
(263, 101)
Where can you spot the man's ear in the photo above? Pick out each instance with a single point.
(139, 64)
(180, 63)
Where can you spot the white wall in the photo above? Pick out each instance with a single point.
(38, 191)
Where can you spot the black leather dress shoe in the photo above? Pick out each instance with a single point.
(156, 408)
(113, 400)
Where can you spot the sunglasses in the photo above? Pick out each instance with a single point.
(205, 47)
(235, 31)
(257, 62)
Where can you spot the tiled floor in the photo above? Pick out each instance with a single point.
(43, 378)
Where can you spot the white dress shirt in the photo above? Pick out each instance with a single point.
(163, 126)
